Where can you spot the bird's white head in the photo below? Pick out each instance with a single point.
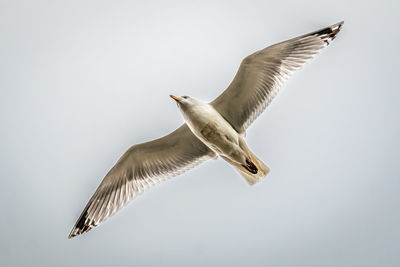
(185, 102)
(190, 108)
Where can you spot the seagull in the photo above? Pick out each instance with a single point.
(210, 129)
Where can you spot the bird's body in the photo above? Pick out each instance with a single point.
(216, 133)
(210, 129)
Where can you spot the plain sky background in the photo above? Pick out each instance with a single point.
(81, 81)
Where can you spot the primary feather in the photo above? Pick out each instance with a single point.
(261, 75)
(142, 166)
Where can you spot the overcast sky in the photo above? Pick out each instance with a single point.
(82, 81)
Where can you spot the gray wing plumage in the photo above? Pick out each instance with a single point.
(262, 73)
(141, 166)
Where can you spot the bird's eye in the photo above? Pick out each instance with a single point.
(185, 97)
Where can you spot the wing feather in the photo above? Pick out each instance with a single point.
(142, 166)
(262, 73)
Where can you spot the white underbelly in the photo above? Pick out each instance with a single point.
(214, 131)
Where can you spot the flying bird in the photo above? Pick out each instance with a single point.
(210, 129)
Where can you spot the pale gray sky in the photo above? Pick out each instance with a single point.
(81, 81)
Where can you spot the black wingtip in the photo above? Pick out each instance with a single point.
(329, 33)
(81, 225)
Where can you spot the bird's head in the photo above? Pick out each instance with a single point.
(184, 101)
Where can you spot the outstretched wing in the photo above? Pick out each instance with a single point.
(141, 166)
(262, 73)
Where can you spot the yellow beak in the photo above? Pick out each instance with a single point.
(177, 99)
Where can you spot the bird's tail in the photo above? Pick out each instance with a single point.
(253, 171)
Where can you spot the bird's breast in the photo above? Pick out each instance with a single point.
(211, 128)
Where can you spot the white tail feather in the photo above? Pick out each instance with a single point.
(251, 178)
